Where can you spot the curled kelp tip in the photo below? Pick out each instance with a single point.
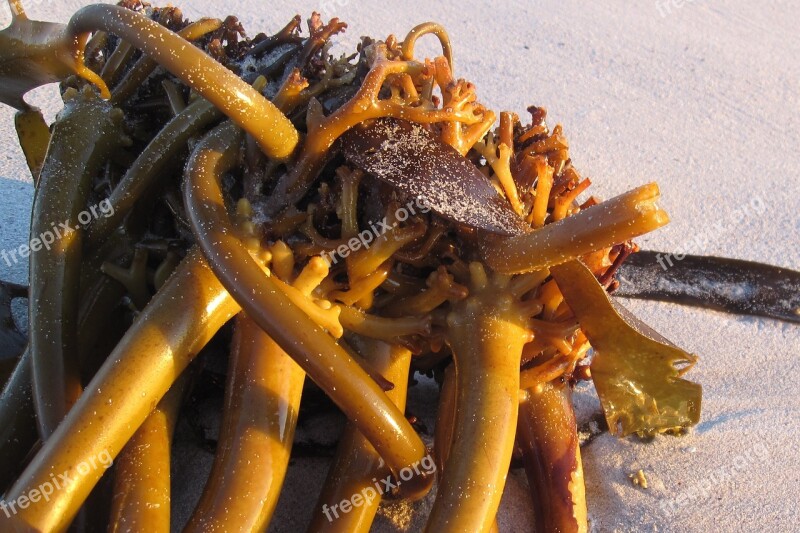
(426, 28)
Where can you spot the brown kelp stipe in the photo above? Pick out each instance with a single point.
(145, 170)
(487, 330)
(88, 130)
(262, 405)
(548, 437)
(18, 434)
(141, 498)
(357, 465)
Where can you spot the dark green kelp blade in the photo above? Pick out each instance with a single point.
(730, 285)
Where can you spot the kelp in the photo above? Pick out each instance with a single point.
(364, 219)
(637, 377)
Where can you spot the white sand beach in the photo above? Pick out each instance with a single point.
(700, 96)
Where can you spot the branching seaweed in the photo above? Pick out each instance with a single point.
(272, 217)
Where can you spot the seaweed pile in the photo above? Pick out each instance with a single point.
(358, 219)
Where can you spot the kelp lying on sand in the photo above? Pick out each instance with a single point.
(235, 188)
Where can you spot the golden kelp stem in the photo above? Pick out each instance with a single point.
(378, 327)
(327, 363)
(273, 132)
(141, 501)
(262, 402)
(358, 471)
(617, 220)
(87, 131)
(486, 333)
(146, 65)
(179, 320)
(445, 420)
(544, 184)
(547, 433)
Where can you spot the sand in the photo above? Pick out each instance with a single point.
(700, 96)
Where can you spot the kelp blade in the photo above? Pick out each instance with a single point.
(637, 377)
